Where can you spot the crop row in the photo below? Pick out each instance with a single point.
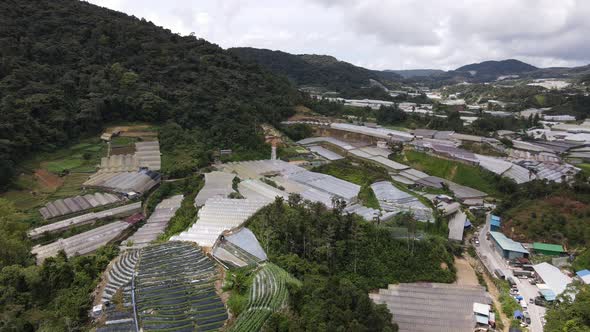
(268, 293)
(175, 290)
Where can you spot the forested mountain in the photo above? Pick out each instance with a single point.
(67, 67)
(408, 73)
(315, 70)
(497, 68)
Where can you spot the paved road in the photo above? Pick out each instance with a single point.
(492, 259)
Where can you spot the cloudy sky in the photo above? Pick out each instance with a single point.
(386, 34)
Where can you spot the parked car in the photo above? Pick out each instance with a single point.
(531, 301)
(526, 317)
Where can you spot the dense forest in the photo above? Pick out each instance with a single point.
(340, 258)
(51, 297)
(67, 67)
(319, 71)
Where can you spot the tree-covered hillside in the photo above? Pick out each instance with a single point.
(315, 70)
(67, 67)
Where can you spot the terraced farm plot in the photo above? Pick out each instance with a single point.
(267, 295)
(175, 289)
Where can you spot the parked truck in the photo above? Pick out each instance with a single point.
(523, 273)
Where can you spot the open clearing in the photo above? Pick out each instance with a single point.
(465, 273)
(463, 174)
(48, 181)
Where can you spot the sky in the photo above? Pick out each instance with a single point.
(385, 34)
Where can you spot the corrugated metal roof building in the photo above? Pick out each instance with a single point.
(552, 277)
(507, 247)
(548, 249)
(432, 307)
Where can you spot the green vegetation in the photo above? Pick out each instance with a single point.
(52, 297)
(297, 131)
(548, 212)
(582, 261)
(267, 293)
(121, 140)
(363, 174)
(238, 281)
(568, 315)
(554, 219)
(320, 71)
(509, 304)
(585, 168)
(102, 65)
(52, 175)
(186, 215)
(467, 175)
(340, 258)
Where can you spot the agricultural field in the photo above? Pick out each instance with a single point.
(268, 293)
(467, 175)
(53, 175)
(175, 290)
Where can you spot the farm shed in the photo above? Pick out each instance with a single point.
(218, 215)
(387, 134)
(507, 247)
(334, 141)
(217, 184)
(258, 190)
(77, 204)
(457, 226)
(83, 243)
(148, 155)
(548, 249)
(392, 199)
(552, 277)
(323, 152)
(84, 219)
(432, 307)
(156, 223)
(125, 182)
(238, 248)
(327, 183)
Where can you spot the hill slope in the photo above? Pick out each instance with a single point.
(409, 73)
(497, 68)
(68, 67)
(314, 70)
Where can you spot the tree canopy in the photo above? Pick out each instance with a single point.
(68, 67)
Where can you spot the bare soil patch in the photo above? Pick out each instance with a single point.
(47, 180)
(465, 273)
(139, 134)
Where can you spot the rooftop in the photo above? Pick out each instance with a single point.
(548, 247)
(433, 306)
(553, 277)
(507, 243)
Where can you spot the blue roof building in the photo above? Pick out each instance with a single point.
(495, 223)
(508, 248)
(584, 275)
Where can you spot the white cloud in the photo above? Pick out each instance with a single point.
(386, 34)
